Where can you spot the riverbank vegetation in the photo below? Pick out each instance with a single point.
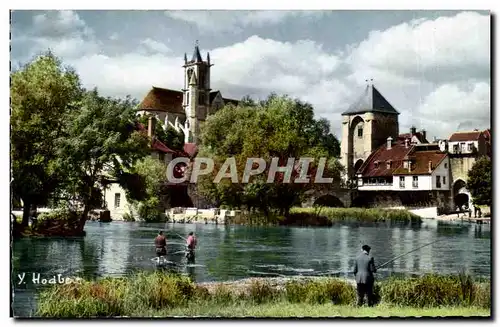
(163, 295)
(326, 216)
(308, 216)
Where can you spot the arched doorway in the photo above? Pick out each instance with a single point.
(329, 200)
(461, 195)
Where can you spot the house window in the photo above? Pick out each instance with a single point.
(438, 181)
(187, 98)
(376, 164)
(117, 200)
(462, 146)
(162, 157)
(445, 165)
(389, 165)
(415, 182)
(455, 148)
(469, 146)
(444, 180)
(360, 132)
(405, 164)
(401, 182)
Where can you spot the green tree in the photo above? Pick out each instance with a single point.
(42, 93)
(150, 206)
(169, 136)
(278, 127)
(102, 139)
(479, 181)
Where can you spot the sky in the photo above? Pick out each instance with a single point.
(432, 66)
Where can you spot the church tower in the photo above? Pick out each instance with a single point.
(366, 125)
(196, 93)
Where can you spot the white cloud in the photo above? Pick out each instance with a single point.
(458, 107)
(256, 66)
(231, 20)
(155, 46)
(63, 32)
(444, 49)
(433, 96)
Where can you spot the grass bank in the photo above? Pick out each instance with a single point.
(328, 216)
(157, 294)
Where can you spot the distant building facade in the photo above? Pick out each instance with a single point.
(405, 169)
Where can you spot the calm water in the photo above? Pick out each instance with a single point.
(235, 252)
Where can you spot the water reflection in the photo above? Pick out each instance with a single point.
(234, 252)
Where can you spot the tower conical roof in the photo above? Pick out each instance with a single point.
(371, 101)
(196, 54)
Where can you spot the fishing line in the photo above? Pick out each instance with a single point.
(401, 255)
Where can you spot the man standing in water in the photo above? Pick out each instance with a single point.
(363, 270)
(191, 246)
(161, 245)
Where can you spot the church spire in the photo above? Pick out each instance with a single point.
(196, 54)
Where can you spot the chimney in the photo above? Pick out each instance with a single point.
(151, 127)
(389, 143)
(424, 134)
(430, 166)
(413, 130)
(406, 143)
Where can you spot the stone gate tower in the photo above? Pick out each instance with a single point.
(196, 93)
(366, 125)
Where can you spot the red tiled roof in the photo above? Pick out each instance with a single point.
(465, 136)
(161, 99)
(395, 154)
(191, 149)
(420, 165)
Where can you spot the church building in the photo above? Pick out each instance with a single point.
(186, 109)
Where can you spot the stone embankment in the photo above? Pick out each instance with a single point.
(201, 216)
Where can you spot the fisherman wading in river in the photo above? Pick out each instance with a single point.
(161, 245)
(363, 270)
(190, 247)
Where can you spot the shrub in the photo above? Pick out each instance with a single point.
(261, 292)
(434, 290)
(328, 290)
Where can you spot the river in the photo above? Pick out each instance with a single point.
(235, 252)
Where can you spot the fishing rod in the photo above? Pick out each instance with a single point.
(406, 253)
(385, 263)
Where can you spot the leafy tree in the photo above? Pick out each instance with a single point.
(102, 138)
(42, 93)
(479, 181)
(278, 127)
(151, 205)
(169, 136)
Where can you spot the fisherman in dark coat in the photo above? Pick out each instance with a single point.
(363, 270)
